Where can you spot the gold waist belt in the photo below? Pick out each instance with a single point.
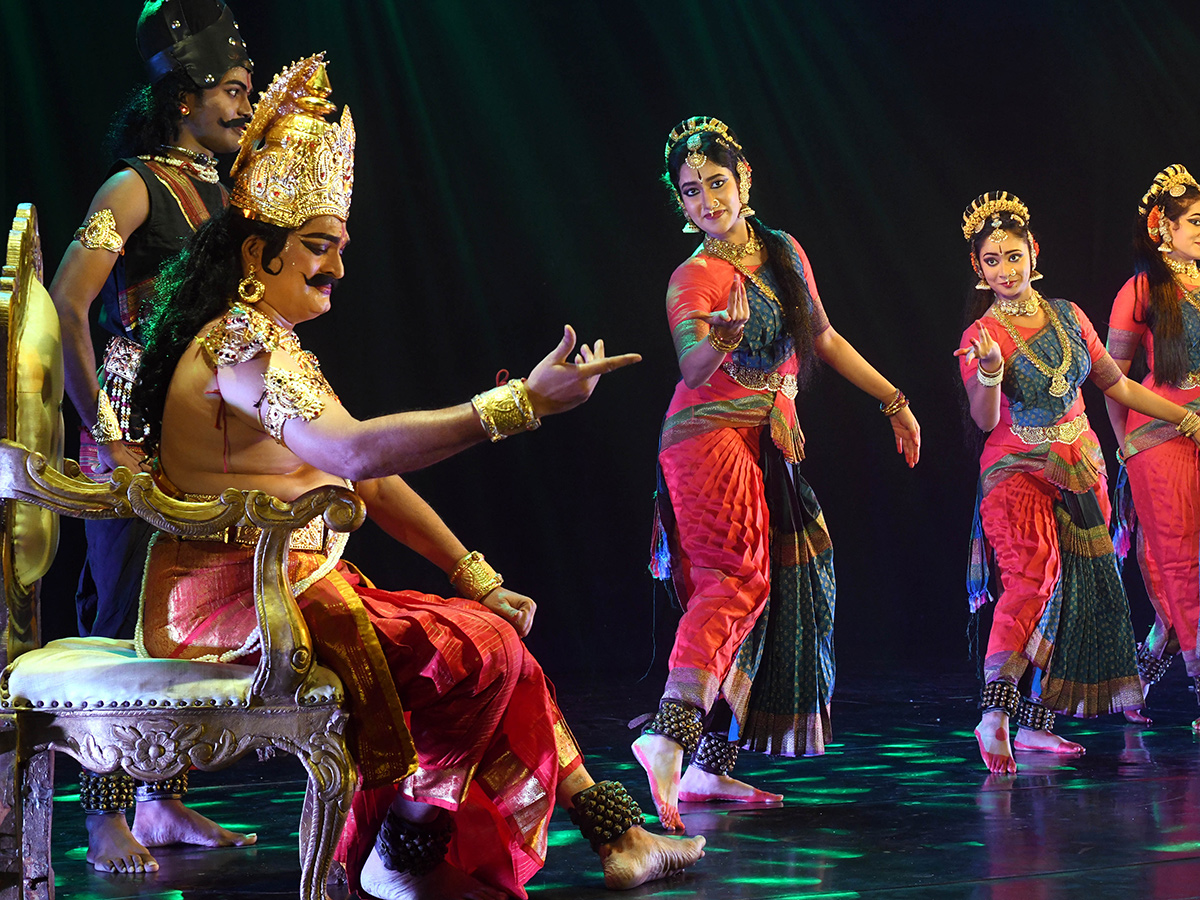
(311, 536)
(758, 380)
(1063, 433)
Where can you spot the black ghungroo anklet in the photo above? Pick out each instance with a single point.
(1001, 695)
(715, 754)
(1034, 716)
(1150, 668)
(604, 812)
(102, 794)
(1196, 683)
(167, 789)
(677, 721)
(416, 849)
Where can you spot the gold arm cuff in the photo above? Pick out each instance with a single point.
(107, 429)
(99, 232)
(1063, 433)
(758, 380)
(474, 578)
(506, 410)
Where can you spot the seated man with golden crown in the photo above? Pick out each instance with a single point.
(458, 806)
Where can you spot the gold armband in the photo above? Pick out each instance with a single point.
(99, 232)
(474, 578)
(107, 429)
(506, 410)
(290, 395)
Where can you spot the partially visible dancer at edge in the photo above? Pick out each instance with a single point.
(1158, 311)
(457, 802)
(163, 185)
(738, 530)
(1061, 640)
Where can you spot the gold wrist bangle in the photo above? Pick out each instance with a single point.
(894, 405)
(506, 410)
(107, 429)
(474, 578)
(722, 344)
(1189, 424)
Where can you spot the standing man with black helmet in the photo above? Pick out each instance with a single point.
(162, 187)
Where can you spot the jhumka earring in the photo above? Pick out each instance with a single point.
(1164, 232)
(250, 289)
(689, 227)
(743, 171)
(1035, 275)
(983, 285)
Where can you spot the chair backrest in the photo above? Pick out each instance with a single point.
(33, 390)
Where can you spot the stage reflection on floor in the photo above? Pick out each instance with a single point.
(900, 806)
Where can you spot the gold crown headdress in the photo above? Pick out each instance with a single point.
(293, 164)
(694, 126)
(988, 205)
(1173, 181)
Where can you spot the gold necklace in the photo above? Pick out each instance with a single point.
(200, 173)
(1026, 307)
(1058, 384)
(730, 252)
(1188, 269)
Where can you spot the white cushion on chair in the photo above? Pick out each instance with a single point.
(86, 673)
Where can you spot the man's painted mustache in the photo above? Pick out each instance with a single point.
(319, 281)
(235, 123)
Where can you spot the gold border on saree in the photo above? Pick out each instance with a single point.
(1063, 433)
(758, 380)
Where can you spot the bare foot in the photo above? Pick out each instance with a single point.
(1136, 716)
(697, 786)
(443, 883)
(1196, 726)
(113, 848)
(1047, 742)
(638, 856)
(662, 759)
(992, 735)
(158, 823)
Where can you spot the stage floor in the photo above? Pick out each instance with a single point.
(899, 807)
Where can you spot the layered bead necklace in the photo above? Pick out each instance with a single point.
(198, 165)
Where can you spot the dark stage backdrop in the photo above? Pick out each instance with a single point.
(506, 183)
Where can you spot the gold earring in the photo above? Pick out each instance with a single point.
(689, 227)
(250, 289)
(743, 170)
(982, 286)
(1036, 276)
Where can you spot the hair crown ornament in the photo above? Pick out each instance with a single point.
(293, 164)
(985, 206)
(1173, 180)
(694, 126)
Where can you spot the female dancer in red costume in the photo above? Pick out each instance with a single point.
(1158, 310)
(738, 525)
(1061, 638)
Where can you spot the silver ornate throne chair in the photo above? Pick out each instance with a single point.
(93, 698)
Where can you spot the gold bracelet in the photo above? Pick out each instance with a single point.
(107, 429)
(474, 578)
(1189, 424)
(723, 344)
(990, 379)
(893, 406)
(506, 410)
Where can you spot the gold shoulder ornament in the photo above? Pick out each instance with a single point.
(99, 232)
(288, 394)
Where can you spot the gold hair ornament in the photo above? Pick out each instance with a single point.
(986, 206)
(474, 578)
(743, 173)
(107, 429)
(293, 165)
(695, 158)
(99, 232)
(693, 126)
(1173, 180)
